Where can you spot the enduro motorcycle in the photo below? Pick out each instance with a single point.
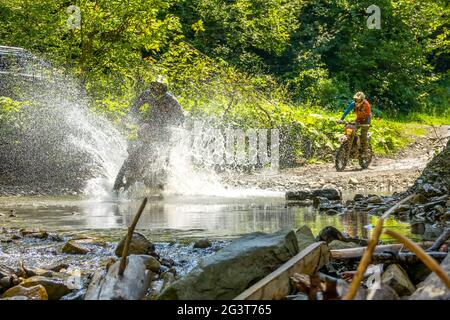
(351, 147)
(147, 161)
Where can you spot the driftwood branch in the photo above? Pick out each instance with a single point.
(404, 257)
(354, 253)
(126, 247)
(359, 252)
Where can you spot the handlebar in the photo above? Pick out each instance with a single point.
(352, 123)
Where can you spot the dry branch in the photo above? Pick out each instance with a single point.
(126, 247)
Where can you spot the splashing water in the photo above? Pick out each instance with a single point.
(185, 178)
(65, 143)
(60, 143)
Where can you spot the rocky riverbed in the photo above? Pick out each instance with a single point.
(64, 263)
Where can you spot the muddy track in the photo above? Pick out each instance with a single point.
(385, 174)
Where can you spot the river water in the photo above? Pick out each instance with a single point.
(215, 217)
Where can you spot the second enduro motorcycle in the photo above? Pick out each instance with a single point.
(351, 147)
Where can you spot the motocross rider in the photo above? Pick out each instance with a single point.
(154, 133)
(165, 112)
(363, 116)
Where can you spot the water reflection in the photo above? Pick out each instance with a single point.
(210, 216)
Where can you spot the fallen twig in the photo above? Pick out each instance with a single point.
(126, 247)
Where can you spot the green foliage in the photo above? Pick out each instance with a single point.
(252, 63)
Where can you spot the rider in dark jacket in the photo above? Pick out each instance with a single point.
(153, 136)
(165, 110)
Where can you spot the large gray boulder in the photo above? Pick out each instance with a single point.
(132, 285)
(233, 269)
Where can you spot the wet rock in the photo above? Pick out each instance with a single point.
(375, 200)
(298, 195)
(303, 195)
(385, 292)
(305, 237)
(433, 288)
(418, 228)
(37, 292)
(317, 201)
(56, 287)
(331, 206)
(139, 245)
(6, 282)
(57, 267)
(6, 271)
(439, 209)
(397, 278)
(332, 212)
(151, 263)
(5, 240)
(445, 216)
(337, 245)
(72, 247)
(33, 233)
(430, 190)
(132, 285)
(38, 272)
(419, 199)
(55, 237)
(329, 193)
(295, 203)
(169, 263)
(202, 244)
(358, 197)
(230, 271)
(83, 240)
(168, 280)
(12, 213)
(329, 234)
(155, 289)
(402, 209)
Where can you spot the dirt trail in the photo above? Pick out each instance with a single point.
(384, 174)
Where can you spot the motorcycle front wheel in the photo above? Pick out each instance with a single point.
(341, 158)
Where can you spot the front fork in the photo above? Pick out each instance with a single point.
(350, 142)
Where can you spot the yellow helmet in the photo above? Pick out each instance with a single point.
(359, 96)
